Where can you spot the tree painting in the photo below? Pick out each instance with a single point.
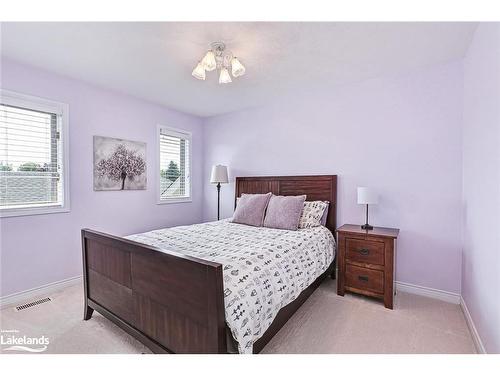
(119, 164)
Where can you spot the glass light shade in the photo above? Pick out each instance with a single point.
(237, 68)
(367, 196)
(199, 72)
(224, 76)
(209, 61)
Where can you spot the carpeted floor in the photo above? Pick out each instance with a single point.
(326, 323)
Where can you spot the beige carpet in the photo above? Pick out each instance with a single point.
(326, 323)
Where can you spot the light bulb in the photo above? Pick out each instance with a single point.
(224, 76)
(199, 72)
(237, 68)
(209, 62)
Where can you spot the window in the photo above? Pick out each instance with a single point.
(33, 155)
(174, 154)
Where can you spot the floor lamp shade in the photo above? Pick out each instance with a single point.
(219, 175)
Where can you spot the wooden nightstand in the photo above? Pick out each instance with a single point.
(367, 261)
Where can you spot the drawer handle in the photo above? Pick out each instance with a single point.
(363, 278)
(364, 251)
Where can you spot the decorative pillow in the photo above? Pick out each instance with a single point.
(284, 212)
(325, 214)
(251, 208)
(312, 214)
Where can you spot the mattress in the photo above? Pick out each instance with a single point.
(264, 269)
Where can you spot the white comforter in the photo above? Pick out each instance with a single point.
(264, 269)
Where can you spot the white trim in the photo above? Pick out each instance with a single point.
(35, 103)
(14, 299)
(177, 133)
(62, 110)
(174, 200)
(472, 328)
(428, 292)
(13, 212)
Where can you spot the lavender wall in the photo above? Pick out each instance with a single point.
(36, 250)
(400, 135)
(481, 184)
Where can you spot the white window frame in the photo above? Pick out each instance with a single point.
(174, 132)
(35, 103)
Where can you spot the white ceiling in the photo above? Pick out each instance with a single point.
(154, 60)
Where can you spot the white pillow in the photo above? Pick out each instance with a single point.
(312, 213)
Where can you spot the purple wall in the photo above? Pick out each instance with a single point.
(481, 184)
(400, 135)
(36, 250)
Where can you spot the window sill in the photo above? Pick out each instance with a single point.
(174, 200)
(13, 212)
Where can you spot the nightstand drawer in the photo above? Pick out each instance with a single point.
(364, 278)
(365, 251)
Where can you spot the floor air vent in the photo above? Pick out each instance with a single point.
(31, 304)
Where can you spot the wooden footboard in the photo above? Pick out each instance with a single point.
(170, 302)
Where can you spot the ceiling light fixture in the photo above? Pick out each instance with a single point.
(219, 58)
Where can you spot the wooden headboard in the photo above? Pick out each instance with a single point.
(317, 188)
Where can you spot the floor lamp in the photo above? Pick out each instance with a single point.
(219, 176)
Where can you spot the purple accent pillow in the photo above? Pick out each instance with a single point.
(284, 212)
(251, 209)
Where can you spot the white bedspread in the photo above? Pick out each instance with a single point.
(264, 269)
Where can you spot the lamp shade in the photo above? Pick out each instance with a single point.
(367, 196)
(219, 174)
(237, 68)
(209, 62)
(224, 76)
(199, 72)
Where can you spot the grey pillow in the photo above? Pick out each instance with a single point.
(251, 209)
(284, 212)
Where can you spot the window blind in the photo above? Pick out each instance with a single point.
(30, 158)
(175, 179)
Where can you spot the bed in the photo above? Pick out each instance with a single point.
(192, 289)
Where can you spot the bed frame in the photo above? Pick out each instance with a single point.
(174, 303)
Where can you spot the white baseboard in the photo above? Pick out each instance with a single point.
(428, 292)
(472, 328)
(16, 298)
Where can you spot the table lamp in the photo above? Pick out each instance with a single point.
(367, 196)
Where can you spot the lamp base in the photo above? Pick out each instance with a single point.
(367, 226)
(218, 201)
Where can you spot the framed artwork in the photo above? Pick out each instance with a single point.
(119, 164)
